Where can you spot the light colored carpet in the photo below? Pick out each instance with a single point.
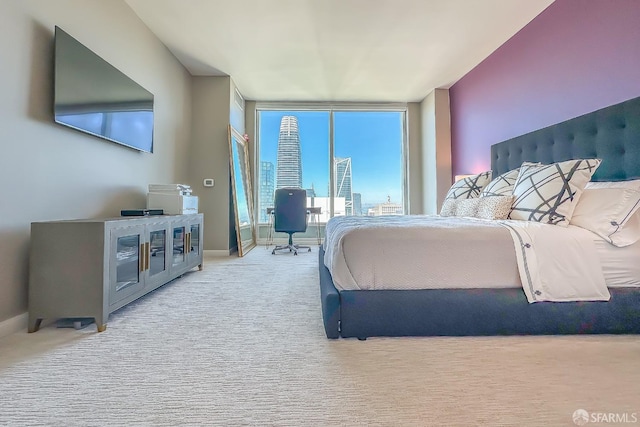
(242, 343)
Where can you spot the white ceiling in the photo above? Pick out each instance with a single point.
(335, 50)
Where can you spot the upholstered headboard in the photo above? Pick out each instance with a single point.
(611, 134)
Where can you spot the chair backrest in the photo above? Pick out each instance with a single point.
(290, 210)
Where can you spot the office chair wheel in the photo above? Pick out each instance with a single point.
(309, 250)
(273, 252)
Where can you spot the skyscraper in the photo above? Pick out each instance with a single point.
(289, 167)
(357, 204)
(342, 173)
(267, 188)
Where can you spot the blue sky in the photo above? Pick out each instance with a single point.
(373, 140)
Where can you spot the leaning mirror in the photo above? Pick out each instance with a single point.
(241, 191)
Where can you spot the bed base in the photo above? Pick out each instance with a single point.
(469, 312)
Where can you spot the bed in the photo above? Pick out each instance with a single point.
(611, 134)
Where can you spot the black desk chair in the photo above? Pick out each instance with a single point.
(290, 216)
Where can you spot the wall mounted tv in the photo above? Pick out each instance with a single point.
(92, 96)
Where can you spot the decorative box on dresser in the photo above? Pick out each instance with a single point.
(90, 268)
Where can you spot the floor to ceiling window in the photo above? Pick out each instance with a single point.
(351, 162)
(367, 163)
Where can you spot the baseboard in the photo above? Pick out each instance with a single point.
(14, 324)
(216, 252)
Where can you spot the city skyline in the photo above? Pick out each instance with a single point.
(373, 141)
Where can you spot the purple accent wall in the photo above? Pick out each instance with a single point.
(575, 57)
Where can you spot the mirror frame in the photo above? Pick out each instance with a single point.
(238, 141)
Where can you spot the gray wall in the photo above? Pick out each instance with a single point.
(50, 172)
(210, 157)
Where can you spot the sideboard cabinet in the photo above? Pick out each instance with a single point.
(90, 268)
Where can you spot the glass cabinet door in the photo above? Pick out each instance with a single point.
(158, 254)
(127, 262)
(194, 239)
(158, 248)
(179, 238)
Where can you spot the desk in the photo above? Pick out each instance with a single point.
(314, 211)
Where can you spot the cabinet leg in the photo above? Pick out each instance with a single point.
(101, 327)
(200, 267)
(34, 324)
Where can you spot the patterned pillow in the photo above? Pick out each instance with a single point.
(549, 193)
(448, 208)
(469, 187)
(460, 207)
(495, 207)
(467, 207)
(502, 185)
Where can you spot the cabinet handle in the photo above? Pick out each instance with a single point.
(141, 257)
(147, 255)
(188, 242)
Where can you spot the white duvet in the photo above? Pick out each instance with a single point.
(550, 263)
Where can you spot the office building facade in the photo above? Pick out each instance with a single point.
(342, 183)
(289, 160)
(267, 189)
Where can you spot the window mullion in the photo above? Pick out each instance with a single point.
(331, 162)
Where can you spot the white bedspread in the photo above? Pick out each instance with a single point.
(557, 263)
(432, 252)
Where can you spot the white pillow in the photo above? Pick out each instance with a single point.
(611, 213)
(633, 184)
(549, 193)
(502, 185)
(469, 187)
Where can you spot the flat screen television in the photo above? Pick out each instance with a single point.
(92, 96)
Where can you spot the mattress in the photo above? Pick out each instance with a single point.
(419, 252)
(432, 252)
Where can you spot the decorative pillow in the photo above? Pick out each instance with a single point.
(469, 187)
(611, 213)
(459, 207)
(495, 207)
(502, 185)
(549, 193)
(448, 208)
(467, 207)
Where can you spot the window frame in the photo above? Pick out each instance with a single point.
(331, 108)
